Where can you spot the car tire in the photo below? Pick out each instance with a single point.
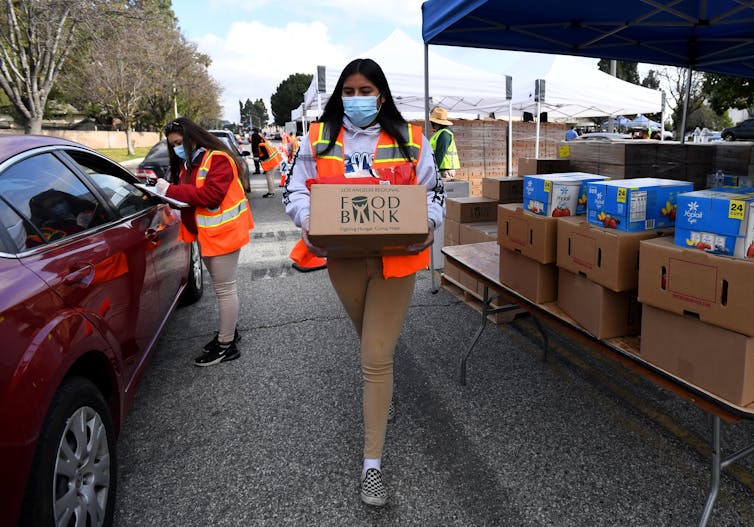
(195, 286)
(728, 137)
(65, 463)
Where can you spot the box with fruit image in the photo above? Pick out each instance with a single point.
(557, 195)
(717, 220)
(633, 205)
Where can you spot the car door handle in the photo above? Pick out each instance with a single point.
(80, 275)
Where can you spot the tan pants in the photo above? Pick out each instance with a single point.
(272, 175)
(223, 270)
(377, 308)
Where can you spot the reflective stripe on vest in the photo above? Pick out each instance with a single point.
(320, 140)
(391, 152)
(450, 161)
(209, 221)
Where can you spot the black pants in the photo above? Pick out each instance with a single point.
(257, 166)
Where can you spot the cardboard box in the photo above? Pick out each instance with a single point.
(503, 189)
(478, 232)
(467, 210)
(531, 235)
(451, 232)
(717, 289)
(367, 220)
(452, 271)
(714, 359)
(606, 256)
(533, 280)
(602, 312)
(634, 204)
(557, 195)
(717, 220)
(528, 166)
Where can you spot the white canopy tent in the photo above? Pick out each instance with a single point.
(464, 91)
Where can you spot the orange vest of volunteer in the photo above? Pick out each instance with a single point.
(272, 161)
(387, 154)
(223, 229)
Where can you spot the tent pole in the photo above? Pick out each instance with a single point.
(686, 97)
(509, 97)
(433, 287)
(536, 143)
(510, 138)
(662, 118)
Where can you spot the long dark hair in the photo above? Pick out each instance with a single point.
(389, 118)
(194, 136)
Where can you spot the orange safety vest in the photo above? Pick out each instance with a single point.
(274, 157)
(387, 154)
(223, 229)
(293, 146)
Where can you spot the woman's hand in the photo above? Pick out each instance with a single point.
(416, 248)
(161, 186)
(316, 251)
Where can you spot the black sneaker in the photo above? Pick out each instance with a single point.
(217, 355)
(268, 195)
(213, 343)
(373, 491)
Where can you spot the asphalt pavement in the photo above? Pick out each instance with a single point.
(274, 438)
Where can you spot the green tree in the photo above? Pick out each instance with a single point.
(627, 71)
(258, 113)
(723, 92)
(288, 96)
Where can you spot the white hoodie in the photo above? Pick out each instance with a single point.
(359, 145)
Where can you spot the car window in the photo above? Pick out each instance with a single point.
(158, 150)
(124, 197)
(17, 229)
(51, 197)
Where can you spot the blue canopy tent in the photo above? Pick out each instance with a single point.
(643, 122)
(711, 36)
(714, 36)
(620, 121)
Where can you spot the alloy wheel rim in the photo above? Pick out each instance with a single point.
(81, 481)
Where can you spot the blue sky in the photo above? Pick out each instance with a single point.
(256, 44)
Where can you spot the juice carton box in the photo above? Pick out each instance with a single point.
(562, 194)
(633, 205)
(717, 220)
(724, 179)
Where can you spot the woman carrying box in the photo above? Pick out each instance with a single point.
(361, 132)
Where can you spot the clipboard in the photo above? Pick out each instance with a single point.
(171, 201)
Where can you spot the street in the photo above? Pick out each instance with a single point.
(274, 438)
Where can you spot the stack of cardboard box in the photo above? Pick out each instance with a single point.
(698, 321)
(474, 220)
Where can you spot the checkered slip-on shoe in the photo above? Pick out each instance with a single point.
(373, 491)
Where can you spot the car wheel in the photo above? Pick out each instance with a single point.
(195, 287)
(73, 476)
(728, 137)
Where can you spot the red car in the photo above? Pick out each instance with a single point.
(90, 270)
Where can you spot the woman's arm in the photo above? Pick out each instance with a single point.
(428, 175)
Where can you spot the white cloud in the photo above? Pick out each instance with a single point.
(253, 59)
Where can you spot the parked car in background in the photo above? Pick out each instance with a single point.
(229, 138)
(602, 136)
(156, 164)
(743, 131)
(90, 270)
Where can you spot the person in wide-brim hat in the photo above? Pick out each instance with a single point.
(443, 143)
(440, 116)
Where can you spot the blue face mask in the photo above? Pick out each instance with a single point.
(361, 110)
(180, 152)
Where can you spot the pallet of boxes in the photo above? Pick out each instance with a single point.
(697, 288)
(659, 270)
(474, 220)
